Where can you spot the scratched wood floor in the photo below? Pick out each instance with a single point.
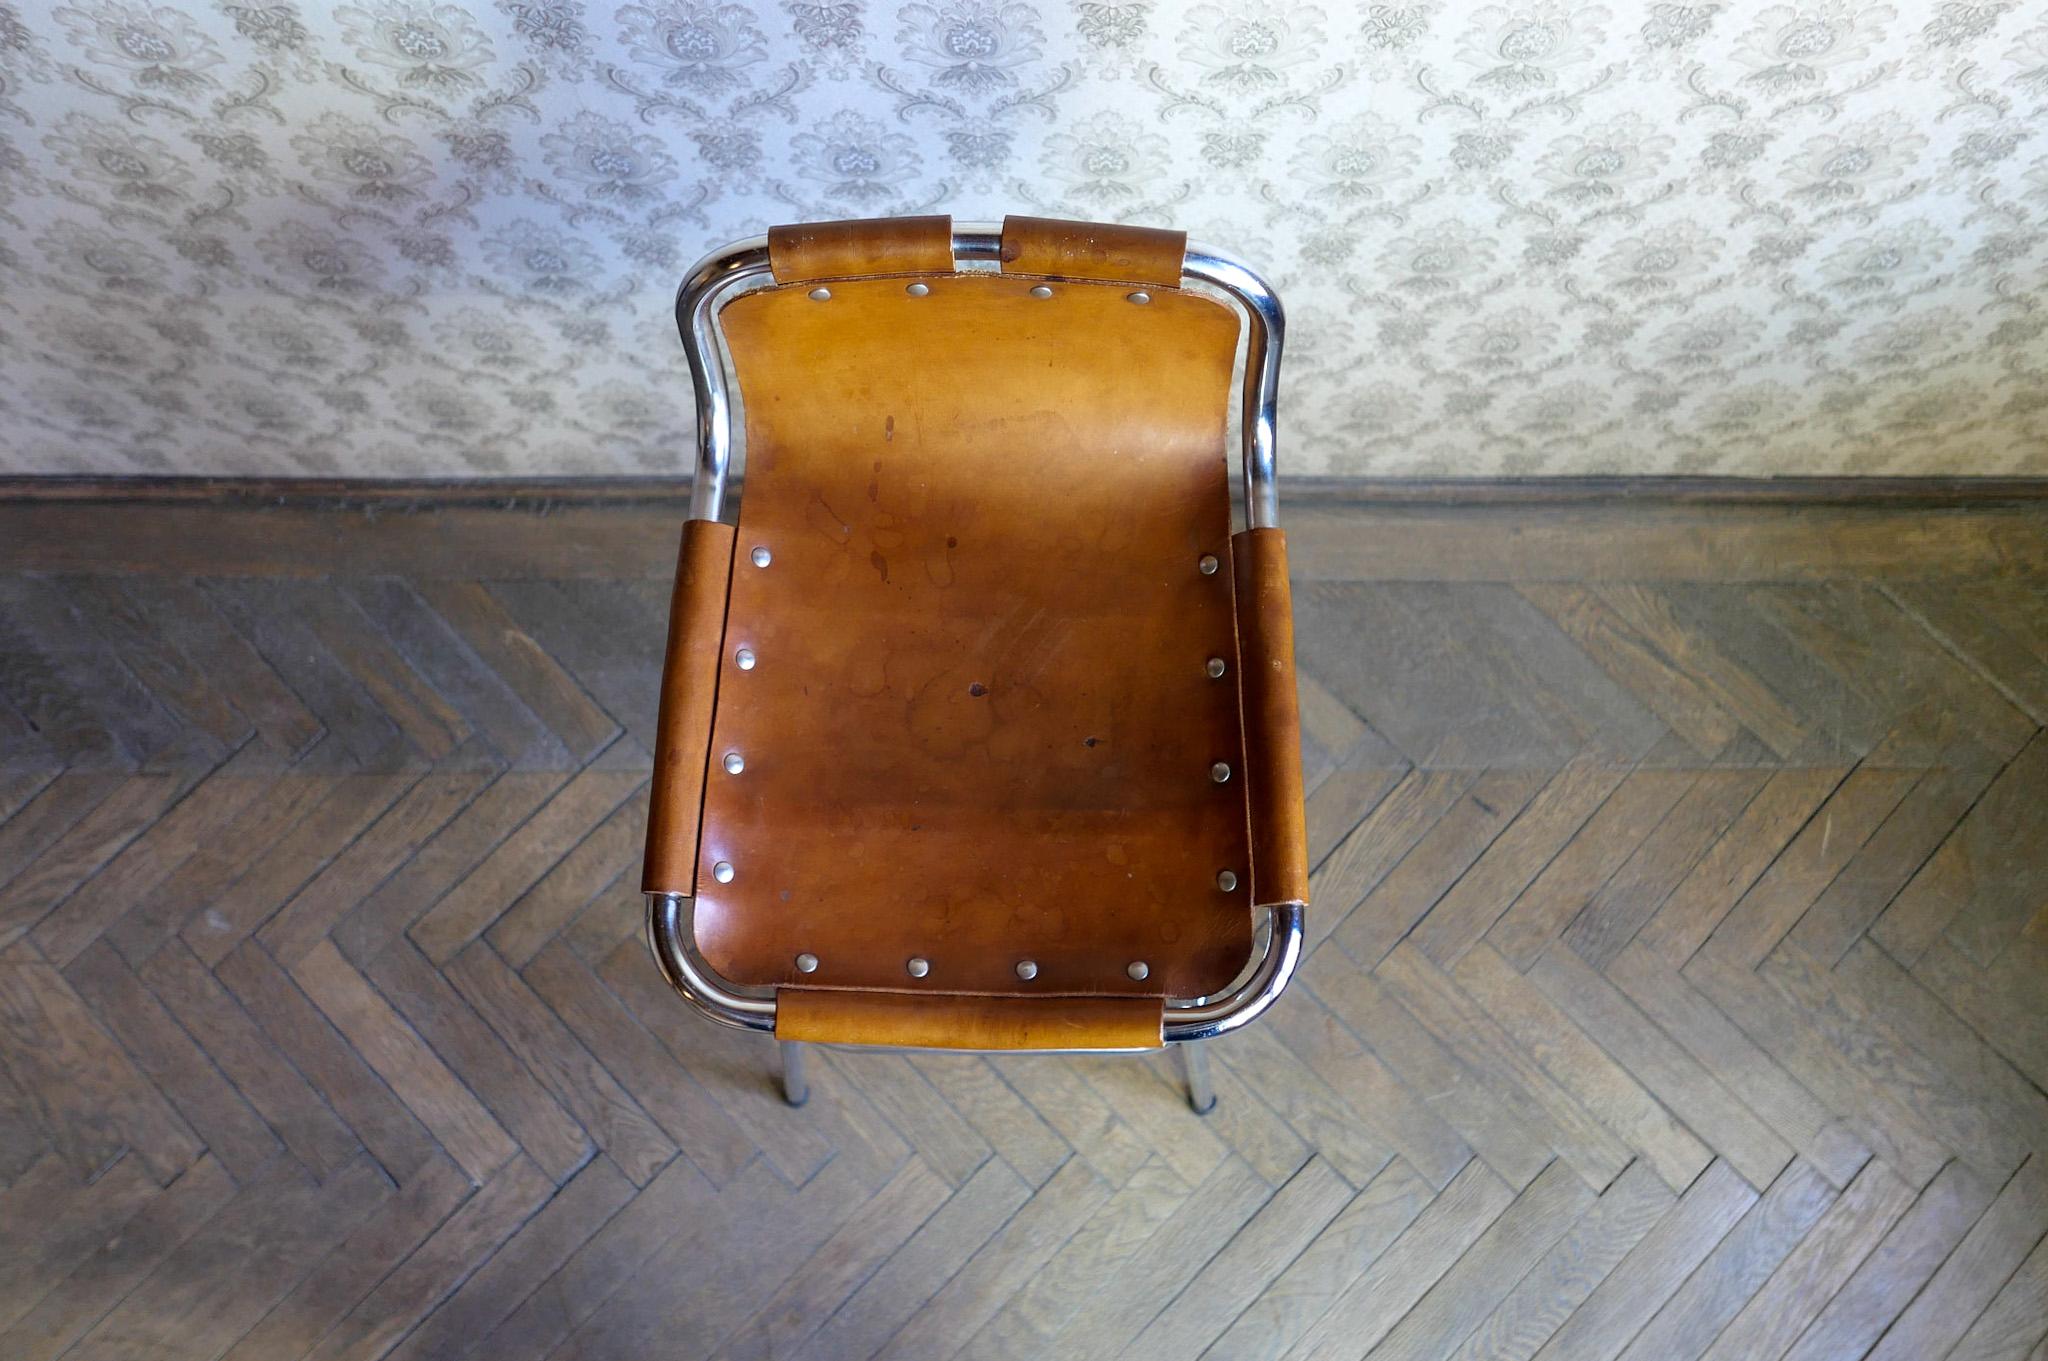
(1679, 982)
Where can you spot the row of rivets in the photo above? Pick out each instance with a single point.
(920, 290)
(918, 967)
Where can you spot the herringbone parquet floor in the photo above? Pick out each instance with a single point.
(1679, 984)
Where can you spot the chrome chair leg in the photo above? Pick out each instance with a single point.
(1194, 1066)
(796, 1088)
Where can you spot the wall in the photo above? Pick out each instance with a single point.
(398, 237)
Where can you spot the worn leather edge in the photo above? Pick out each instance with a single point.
(807, 251)
(689, 691)
(1272, 717)
(1093, 250)
(902, 1020)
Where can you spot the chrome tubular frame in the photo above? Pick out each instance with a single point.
(724, 274)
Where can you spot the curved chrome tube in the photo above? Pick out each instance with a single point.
(1270, 970)
(1276, 955)
(669, 937)
(744, 264)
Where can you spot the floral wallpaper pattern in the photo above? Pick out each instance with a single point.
(420, 237)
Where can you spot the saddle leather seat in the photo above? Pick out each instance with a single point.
(978, 724)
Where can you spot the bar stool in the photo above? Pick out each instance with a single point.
(978, 724)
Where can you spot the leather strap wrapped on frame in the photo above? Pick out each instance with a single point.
(1272, 717)
(1093, 250)
(810, 251)
(949, 1021)
(689, 687)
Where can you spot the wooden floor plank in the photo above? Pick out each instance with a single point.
(520, 861)
(123, 1261)
(436, 1096)
(462, 1243)
(1722, 1047)
(786, 1321)
(1510, 1073)
(532, 1254)
(1990, 1252)
(1739, 1264)
(1367, 1309)
(964, 1305)
(1894, 1272)
(563, 1066)
(90, 1098)
(330, 1065)
(1663, 1067)
(1810, 1275)
(1511, 863)
(385, 847)
(1434, 864)
(1563, 1277)
(1271, 1241)
(925, 1263)
(1493, 1266)
(685, 1111)
(1030, 1321)
(72, 1217)
(1161, 1269)
(1512, 1143)
(225, 1277)
(2017, 1317)
(419, 992)
(358, 1263)
(145, 863)
(245, 1057)
(1582, 1068)
(1568, 883)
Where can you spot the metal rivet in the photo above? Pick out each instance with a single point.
(1207, 565)
(744, 658)
(1026, 970)
(820, 294)
(1042, 291)
(919, 967)
(1216, 668)
(734, 763)
(1227, 882)
(917, 290)
(807, 962)
(1220, 772)
(1140, 298)
(1139, 970)
(722, 871)
(762, 557)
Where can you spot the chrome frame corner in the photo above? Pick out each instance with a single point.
(1278, 934)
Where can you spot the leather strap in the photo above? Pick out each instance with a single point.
(689, 685)
(1272, 717)
(809, 251)
(950, 1021)
(1093, 250)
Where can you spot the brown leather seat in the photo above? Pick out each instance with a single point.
(978, 728)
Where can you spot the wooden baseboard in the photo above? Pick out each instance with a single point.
(1563, 529)
(532, 493)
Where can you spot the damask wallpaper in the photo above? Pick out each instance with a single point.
(418, 237)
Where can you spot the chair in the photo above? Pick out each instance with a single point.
(978, 725)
